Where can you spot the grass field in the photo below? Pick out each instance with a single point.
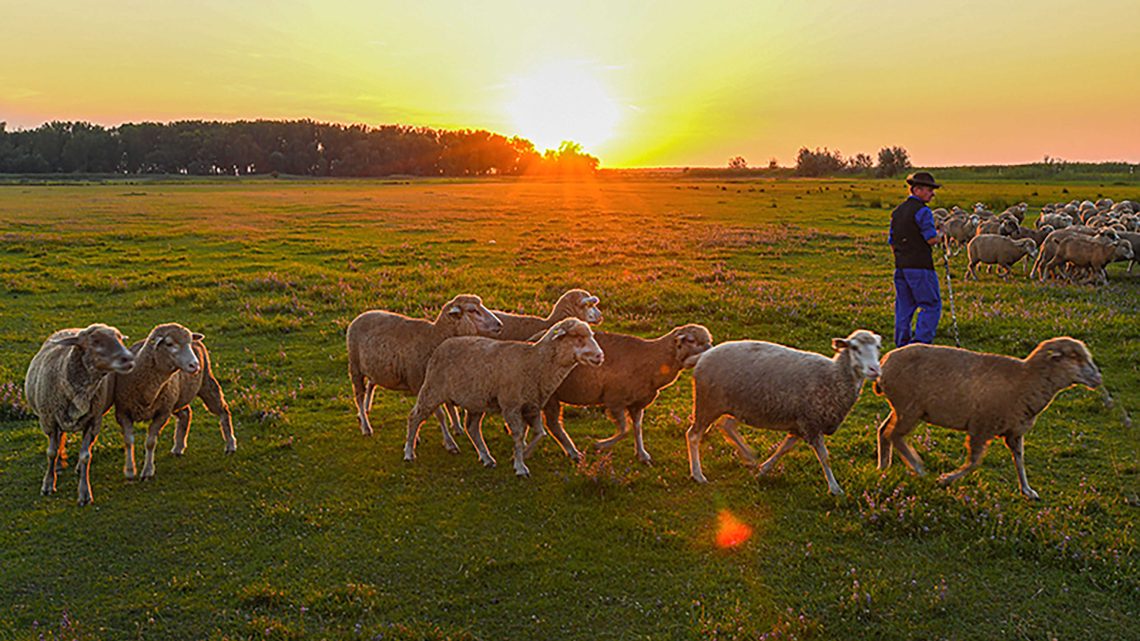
(312, 531)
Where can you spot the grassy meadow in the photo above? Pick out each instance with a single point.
(312, 531)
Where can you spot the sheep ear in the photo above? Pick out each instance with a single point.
(558, 332)
(70, 341)
(838, 344)
(1054, 354)
(195, 336)
(454, 311)
(158, 340)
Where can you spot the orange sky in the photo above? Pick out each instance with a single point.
(638, 83)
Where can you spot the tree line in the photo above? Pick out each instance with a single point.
(300, 147)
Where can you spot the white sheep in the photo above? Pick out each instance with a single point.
(776, 387)
(514, 378)
(68, 387)
(575, 303)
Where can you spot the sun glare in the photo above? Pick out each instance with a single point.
(562, 101)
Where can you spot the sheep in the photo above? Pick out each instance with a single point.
(1049, 246)
(575, 303)
(779, 388)
(994, 249)
(958, 229)
(515, 378)
(390, 350)
(172, 367)
(1093, 252)
(1004, 224)
(634, 372)
(984, 395)
(1133, 239)
(67, 386)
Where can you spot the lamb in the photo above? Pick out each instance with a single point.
(994, 249)
(67, 386)
(779, 388)
(515, 378)
(634, 372)
(575, 303)
(1047, 248)
(390, 350)
(1133, 239)
(172, 367)
(984, 395)
(1093, 252)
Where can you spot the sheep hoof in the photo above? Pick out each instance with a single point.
(489, 463)
(523, 473)
(451, 448)
(129, 475)
(575, 456)
(835, 491)
(699, 478)
(944, 480)
(366, 431)
(231, 448)
(177, 451)
(1031, 494)
(646, 458)
(47, 491)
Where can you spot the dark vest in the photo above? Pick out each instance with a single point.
(911, 249)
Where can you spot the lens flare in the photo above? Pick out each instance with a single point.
(731, 532)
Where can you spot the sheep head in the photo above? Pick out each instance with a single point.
(574, 343)
(580, 304)
(1068, 360)
(172, 344)
(468, 317)
(690, 341)
(863, 348)
(102, 347)
(1028, 245)
(1124, 250)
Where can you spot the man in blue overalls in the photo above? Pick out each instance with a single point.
(916, 283)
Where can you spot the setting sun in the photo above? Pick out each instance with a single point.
(562, 101)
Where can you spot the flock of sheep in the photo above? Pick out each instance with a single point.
(1074, 240)
(474, 361)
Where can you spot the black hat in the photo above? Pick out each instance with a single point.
(922, 178)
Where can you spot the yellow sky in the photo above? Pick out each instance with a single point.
(686, 83)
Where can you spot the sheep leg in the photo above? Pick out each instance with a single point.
(128, 427)
(885, 443)
(552, 414)
(362, 393)
(152, 433)
(637, 416)
(1016, 445)
(443, 414)
(700, 427)
(618, 416)
(84, 466)
(788, 443)
(61, 460)
(211, 394)
(896, 434)
(181, 430)
(816, 443)
(475, 433)
(732, 435)
(533, 421)
(419, 414)
(54, 437)
(975, 449)
(517, 425)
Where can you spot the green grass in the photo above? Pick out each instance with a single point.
(312, 531)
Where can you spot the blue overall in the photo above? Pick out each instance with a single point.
(916, 289)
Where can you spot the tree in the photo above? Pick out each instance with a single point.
(821, 162)
(860, 163)
(892, 161)
(737, 163)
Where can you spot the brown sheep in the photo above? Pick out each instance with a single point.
(172, 367)
(575, 303)
(994, 249)
(984, 395)
(390, 350)
(1090, 252)
(68, 387)
(634, 372)
(514, 378)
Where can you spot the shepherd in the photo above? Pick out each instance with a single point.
(911, 237)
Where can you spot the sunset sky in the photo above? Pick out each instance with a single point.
(637, 83)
